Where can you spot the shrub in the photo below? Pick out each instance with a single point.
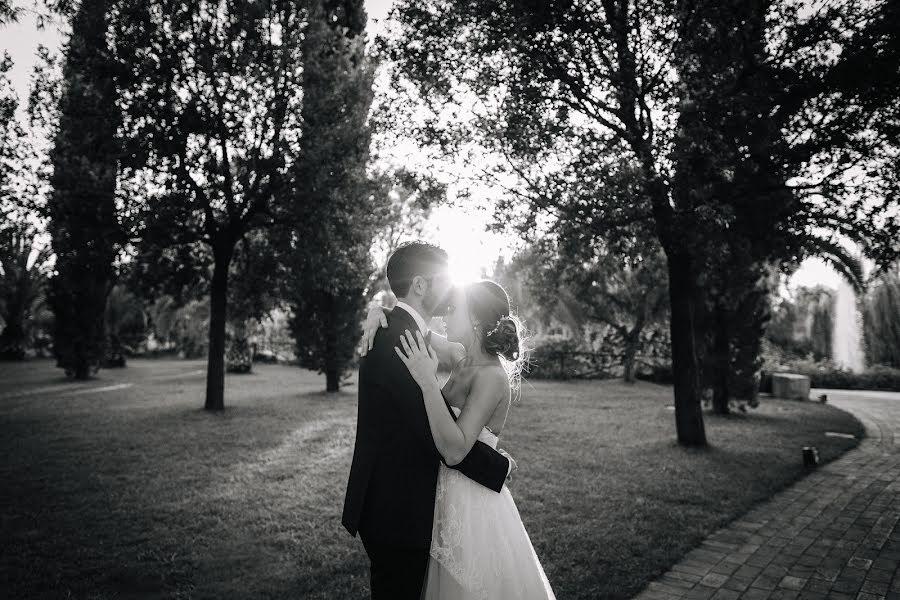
(661, 374)
(827, 375)
(548, 360)
(556, 357)
(239, 357)
(265, 357)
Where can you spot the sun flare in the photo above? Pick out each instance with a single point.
(473, 251)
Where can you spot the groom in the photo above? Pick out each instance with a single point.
(390, 494)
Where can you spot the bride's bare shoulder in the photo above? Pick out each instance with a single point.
(491, 377)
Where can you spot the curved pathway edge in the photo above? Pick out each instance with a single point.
(832, 535)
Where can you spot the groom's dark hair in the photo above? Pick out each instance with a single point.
(412, 259)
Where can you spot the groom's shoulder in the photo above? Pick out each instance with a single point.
(397, 324)
(387, 337)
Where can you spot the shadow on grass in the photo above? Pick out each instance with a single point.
(160, 498)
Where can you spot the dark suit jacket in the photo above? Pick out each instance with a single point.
(390, 493)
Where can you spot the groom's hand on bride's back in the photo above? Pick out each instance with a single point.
(512, 464)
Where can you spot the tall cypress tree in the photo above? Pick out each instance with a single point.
(333, 197)
(83, 225)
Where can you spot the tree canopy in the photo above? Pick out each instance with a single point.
(732, 131)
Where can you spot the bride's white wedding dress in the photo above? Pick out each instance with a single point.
(479, 547)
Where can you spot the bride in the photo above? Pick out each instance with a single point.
(479, 546)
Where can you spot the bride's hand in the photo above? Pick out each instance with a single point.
(374, 319)
(419, 358)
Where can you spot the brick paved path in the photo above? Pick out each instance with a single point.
(834, 534)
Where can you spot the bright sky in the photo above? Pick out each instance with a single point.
(459, 230)
(815, 272)
(21, 41)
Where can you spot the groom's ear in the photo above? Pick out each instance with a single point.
(418, 285)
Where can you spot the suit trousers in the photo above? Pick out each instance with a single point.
(396, 573)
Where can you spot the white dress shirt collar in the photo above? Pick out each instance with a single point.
(420, 322)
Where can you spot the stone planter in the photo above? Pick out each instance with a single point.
(790, 385)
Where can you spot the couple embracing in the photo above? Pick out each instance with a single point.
(426, 490)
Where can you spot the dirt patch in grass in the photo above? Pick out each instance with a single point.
(136, 492)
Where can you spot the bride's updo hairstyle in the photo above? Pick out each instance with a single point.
(501, 332)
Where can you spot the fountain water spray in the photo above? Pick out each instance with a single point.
(846, 340)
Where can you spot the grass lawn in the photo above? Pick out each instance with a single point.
(123, 487)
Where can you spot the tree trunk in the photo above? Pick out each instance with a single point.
(332, 370)
(721, 361)
(633, 340)
(81, 369)
(218, 298)
(685, 364)
(332, 380)
(628, 360)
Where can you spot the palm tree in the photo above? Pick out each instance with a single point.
(738, 318)
(847, 264)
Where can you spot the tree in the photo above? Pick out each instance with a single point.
(86, 236)
(624, 290)
(126, 325)
(801, 326)
(745, 164)
(169, 272)
(881, 324)
(570, 96)
(20, 168)
(8, 12)
(22, 287)
(334, 205)
(216, 128)
(9, 132)
(42, 10)
(192, 329)
(817, 307)
(251, 297)
(578, 101)
(24, 266)
(162, 314)
(536, 297)
(627, 293)
(410, 198)
(734, 319)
